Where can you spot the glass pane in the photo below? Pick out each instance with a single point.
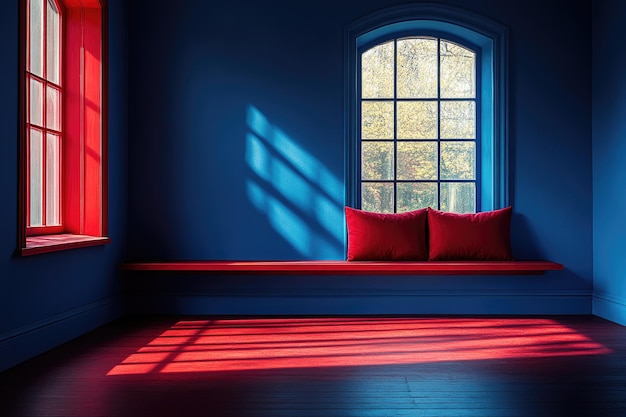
(36, 103)
(377, 160)
(458, 120)
(417, 120)
(53, 37)
(377, 120)
(377, 197)
(458, 71)
(458, 160)
(53, 190)
(417, 68)
(36, 178)
(377, 68)
(458, 197)
(53, 105)
(413, 196)
(417, 160)
(36, 36)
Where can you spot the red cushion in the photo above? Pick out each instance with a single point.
(482, 236)
(386, 237)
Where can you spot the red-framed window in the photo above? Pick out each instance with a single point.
(63, 135)
(44, 115)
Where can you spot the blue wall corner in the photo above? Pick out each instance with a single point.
(609, 170)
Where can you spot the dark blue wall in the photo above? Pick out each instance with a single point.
(237, 152)
(48, 299)
(232, 117)
(609, 169)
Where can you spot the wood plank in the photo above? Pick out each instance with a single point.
(567, 366)
(350, 267)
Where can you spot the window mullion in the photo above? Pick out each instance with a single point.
(27, 136)
(44, 116)
(439, 123)
(395, 125)
(60, 33)
(27, 179)
(27, 133)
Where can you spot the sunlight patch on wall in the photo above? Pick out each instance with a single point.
(261, 344)
(301, 198)
(289, 225)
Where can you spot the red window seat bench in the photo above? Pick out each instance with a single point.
(317, 267)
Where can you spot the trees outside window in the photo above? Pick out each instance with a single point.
(418, 125)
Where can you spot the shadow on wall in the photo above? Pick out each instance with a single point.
(525, 242)
(302, 200)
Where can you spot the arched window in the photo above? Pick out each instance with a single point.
(63, 127)
(426, 111)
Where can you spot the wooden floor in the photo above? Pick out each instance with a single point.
(343, 366)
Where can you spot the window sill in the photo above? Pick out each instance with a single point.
(54, 243)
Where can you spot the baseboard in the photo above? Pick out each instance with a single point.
(410, 303)
(28, 341)
(609, 307)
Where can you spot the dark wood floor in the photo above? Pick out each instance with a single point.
(362, 367)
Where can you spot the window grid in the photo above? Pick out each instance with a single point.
(438, 140)
(49, 221)
(78, 165)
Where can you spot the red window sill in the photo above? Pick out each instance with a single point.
(54, 243)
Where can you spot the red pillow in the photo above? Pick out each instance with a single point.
(386, 237)
(482, 236)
